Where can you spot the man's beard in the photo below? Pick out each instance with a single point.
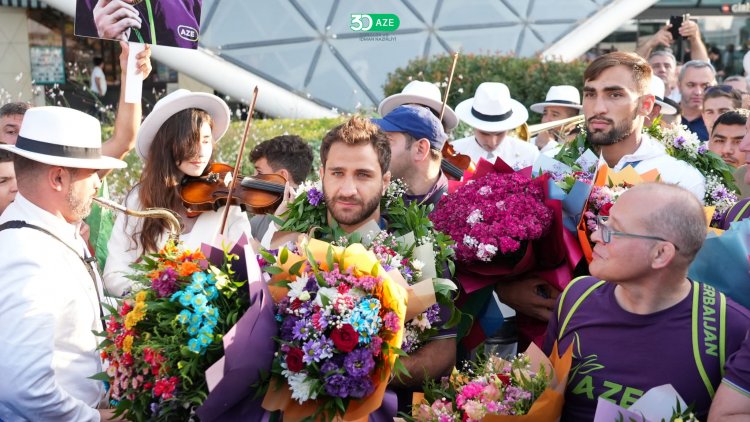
(368, 209)
(618, 132)
(80, 208)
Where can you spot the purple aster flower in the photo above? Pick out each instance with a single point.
(702, 148)
(330, 365)
(360, 387)
(314, 197)
(359, 363)
(317, 350)
(301, 330)
(287, 328)
(679, 142)
(337, 386)
(155, 409)
(312, 285)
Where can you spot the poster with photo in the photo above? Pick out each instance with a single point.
(174, 23)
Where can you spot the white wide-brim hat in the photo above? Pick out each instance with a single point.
(423, 93)
(182, 99)
(559, 96)
(656, 88)
(61, 136)
(491, 109)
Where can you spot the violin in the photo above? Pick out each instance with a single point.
(260, 194)
(454, 164)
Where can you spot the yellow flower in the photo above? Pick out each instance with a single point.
(127, 344)
(140, 297)
(136, 315)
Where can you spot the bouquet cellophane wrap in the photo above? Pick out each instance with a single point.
(393, 296)
(548, 406)
(605, 176)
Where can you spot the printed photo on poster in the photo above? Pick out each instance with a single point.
(47, 65)
(174, 23)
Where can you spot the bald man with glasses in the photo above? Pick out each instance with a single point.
(647, 324)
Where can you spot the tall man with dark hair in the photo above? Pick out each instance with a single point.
(636, 330)
(616, 99)
(287, 155)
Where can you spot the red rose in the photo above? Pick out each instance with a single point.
(605, 208)
(345, 338)
(505, 379)
(294, 359)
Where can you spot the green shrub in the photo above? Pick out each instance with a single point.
(527, 78)
(311, 130)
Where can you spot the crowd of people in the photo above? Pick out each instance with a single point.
(636, 319)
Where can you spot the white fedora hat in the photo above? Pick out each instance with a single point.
(559, 96)
(61, 136)
(182, 99)
(423, 93)
(491, 109)
(656, 88)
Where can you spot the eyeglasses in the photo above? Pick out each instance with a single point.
(606, 232)
(722, 88)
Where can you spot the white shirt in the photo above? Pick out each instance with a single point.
(550, 149)
(123, 251)
(48, 307)
(97, 72)
(515, 152)
(652, 155)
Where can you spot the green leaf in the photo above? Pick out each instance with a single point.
(329, 257)
(283, 256)
(273, 270)
(101, 376)
(296, 267)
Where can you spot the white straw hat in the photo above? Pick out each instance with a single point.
(491, 109)
(61, 136)
(656, 88)
(182, 99)
(559, 96)
(423, 93)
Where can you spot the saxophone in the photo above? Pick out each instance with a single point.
(173, 220)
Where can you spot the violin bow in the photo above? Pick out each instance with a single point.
(448, 88)
(233, 183)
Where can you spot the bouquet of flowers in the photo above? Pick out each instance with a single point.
(493, 216)
(684, 145)
(411, 247)
(341, 323)
(493, 389)
(653, 406)
(165, 334)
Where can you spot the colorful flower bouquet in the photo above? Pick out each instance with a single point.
(493, 216)
(528, 387)
(165, 334)
(505, 225)
(341, 323)
(410, 246)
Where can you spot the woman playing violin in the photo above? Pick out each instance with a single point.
(175, 141)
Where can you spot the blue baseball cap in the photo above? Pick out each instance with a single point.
(417, 121)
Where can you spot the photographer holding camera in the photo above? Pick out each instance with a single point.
(677, 29)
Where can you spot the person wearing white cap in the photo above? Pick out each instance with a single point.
(176, 140)
(421, 93)
(492, 113)
(661, 106)
(50, 300)
(562, 102)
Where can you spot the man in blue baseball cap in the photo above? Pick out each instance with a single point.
(417, 138)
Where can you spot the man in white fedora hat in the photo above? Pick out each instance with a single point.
(492, 113)
(50, 300)
(662, 107)
(421, 93)
(562, 102)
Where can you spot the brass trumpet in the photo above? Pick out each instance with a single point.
(525, 131)
(172, 219)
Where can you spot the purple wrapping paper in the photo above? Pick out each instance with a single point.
(248, 350)
(215, 256)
